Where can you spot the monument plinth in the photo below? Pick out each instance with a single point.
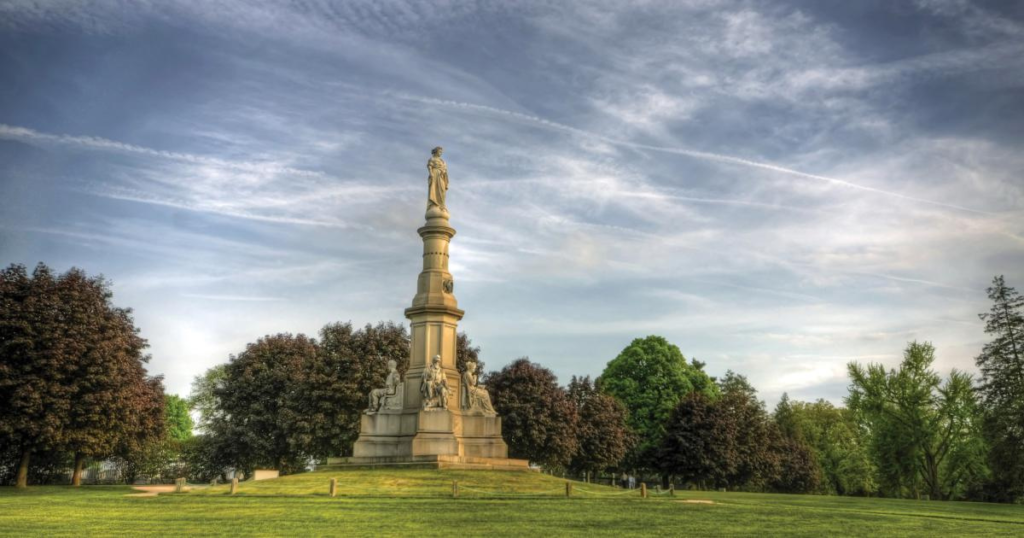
(437, 416)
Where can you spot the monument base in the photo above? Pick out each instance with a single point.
(427, 462)
(428, 434)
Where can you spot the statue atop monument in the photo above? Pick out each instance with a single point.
(434, 386)
(475, 398)
(437, 182)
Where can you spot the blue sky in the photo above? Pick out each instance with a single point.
(776, 187)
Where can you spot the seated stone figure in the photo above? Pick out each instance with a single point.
(388, 398)
(434, 386)
(475, 398)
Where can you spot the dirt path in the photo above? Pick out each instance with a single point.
(153, 491)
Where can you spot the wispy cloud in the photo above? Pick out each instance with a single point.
(775, 188)
(241, 298)
(717, 157)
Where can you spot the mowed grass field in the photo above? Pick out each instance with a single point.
(419, 503)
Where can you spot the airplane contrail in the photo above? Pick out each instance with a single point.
(679, 151)
(12, 132)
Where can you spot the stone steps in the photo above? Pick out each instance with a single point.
(428, 462)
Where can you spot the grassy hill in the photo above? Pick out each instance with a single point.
(418, 503)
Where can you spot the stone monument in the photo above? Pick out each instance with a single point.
(436, 417)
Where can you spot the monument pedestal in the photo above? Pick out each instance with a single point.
(436, 424)
(429, 433)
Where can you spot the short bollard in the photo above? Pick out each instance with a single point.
(643, 490)
(568, 488)
(671, 490)
(234, 486)
(455, 489)
(179, 485)
(334, 487)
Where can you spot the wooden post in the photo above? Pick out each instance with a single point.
(455, 489)
(334, 487)
(643, 489)
(213, 483)
(234, 486)
(671, 490)
(178, 485)
(568, 488)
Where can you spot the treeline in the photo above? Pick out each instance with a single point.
(905, 432)
(73, 389)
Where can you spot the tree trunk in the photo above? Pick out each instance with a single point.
(23, 470)
(76, 477)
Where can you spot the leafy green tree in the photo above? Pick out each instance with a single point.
(465, 352)
(203, 397)
(1002, 388)
(840, 446)
(603, 434)
(177, 416)
(538, 420)
(929, 430)
(261, 398)
(756, 438)
(650, 377)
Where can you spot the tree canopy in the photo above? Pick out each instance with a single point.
(603, 435)
(177, 416)
(1002, 388)
(262, 399)
(925, 433)
(538, 420)
(72, 369)
(650, 377)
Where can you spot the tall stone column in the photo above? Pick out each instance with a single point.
(434, 316)
(434, 313)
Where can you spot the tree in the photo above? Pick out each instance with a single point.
(798, 469)
(650, 377)
(203, 397)
(922, 429)
(602, 434)
(757, 445)
(465, 352)
(177, 417)
(348, 365)
(1002, 388)
(699, 444)
(35, 399)
(261, 400)
(839, 444)
(538, 421)
(71, 368)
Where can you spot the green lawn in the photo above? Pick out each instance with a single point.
(418, 503)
